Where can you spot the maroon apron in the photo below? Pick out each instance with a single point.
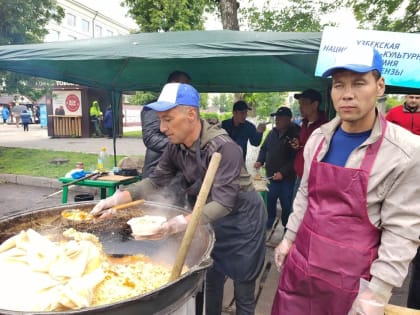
(336, 242)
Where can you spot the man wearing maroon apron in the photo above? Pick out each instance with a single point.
(341, 229)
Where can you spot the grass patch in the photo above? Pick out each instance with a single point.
(133, 134)
(35, 162)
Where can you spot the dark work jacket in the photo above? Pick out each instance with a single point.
(25, 117)
(239, 249)
(277, 154)
(242, 133)
(153, 139)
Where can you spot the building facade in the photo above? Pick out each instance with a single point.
(83, 22)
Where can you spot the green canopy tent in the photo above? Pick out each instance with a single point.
(218, 61)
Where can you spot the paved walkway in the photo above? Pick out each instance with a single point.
(37, 138)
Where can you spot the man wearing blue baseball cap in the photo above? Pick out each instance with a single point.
(154, 140)
(234, 209)
(355, 225)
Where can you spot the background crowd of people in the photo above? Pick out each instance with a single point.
(20, 114)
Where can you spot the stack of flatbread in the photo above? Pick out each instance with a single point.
(260, 184)
(38, 274)
(146, 225)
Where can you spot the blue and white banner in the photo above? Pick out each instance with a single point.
(400, 52)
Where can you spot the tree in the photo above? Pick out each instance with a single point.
(305, 16)
(229, 14)
(265, 103)
(167, 15)
(25, 21)
(383, 14)
(181, 15)
(392, 101)
(295, 109)
(142, 98)
(22, 84)
(22, 22)
(224, 101)
(204, 100)
(294, 16)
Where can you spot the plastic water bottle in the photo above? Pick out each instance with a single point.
(103, 160)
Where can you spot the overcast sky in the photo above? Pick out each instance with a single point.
(111, 8)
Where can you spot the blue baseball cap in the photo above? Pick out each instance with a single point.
(360, 59)
(174, 94)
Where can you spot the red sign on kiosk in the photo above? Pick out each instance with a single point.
(72, 103)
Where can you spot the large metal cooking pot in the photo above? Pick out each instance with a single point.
(48, 221)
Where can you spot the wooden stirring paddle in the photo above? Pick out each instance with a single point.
(128, 204)
(195, 216)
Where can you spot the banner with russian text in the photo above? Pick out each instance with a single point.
(400, 52)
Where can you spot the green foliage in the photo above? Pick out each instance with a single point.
(294, 107)
(142, 98)
(204, 100)
(167, 15)
(305, 16)
(25, 21)
(22, 22)
(224, 101)
(392, 101)
(32, 87)
(217, 116)
(208, 115)
(265, 103)
(385, 14)
(295, 16)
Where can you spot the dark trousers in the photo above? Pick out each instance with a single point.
(283, 191)
(95, 127)
(25, 126)
(296, 187)
(413, 300)
(244, 292)
(295, 190)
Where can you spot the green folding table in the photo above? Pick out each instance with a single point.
(106, 183)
